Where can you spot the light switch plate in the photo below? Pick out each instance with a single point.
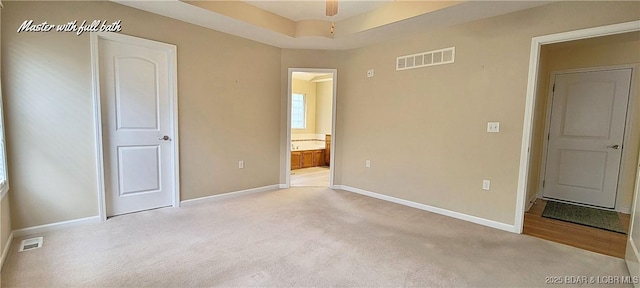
(367, 163)
(486, 184)
(493, 127)
(241, 164)
(370, 73)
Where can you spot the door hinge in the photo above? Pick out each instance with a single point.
(548, 135)
(554, 88)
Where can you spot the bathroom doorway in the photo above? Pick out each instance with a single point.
(311, 126)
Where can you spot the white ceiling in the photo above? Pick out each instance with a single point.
(297, 10)
(456, 14)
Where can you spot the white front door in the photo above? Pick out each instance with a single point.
(137, 125)
(586, 131)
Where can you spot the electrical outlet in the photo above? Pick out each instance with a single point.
(367, 163)
(240, 164)
(486, 184)
(493, 127)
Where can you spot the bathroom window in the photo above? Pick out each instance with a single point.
(298, 111)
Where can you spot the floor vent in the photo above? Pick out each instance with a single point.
(426, 59)
(30, 244)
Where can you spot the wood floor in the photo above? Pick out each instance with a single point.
(584, 237)
(314, 176)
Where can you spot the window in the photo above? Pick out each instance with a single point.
(298, 111)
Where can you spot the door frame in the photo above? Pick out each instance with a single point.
(625, 137)
(171, 51)
(631, 255)
(532, 82)
(332, 161)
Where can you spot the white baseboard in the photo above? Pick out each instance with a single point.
(231, 194)
(283, 186)
(54, 226)
(445, 212)
(5, 251)
(625, 210)
(530, 202)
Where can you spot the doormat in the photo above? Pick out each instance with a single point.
(602, 219)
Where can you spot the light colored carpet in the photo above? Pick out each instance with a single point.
(292, 238)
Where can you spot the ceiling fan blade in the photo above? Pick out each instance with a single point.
(332, 7)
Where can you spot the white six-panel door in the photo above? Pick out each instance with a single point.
(586, 131)
(137, 127)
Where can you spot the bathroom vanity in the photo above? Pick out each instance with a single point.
(327, 148)
(307, 158)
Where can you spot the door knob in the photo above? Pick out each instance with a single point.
(165, 138)
(614, 147)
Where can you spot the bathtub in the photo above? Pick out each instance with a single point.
(305, 145)
(306, 142)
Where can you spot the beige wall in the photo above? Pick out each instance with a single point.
(324, 100)
(5, 210)
(309, 90)
(596, 52)
(5, 225)
(49, 109)
(5, 222)
(424, 130)
(319, 96)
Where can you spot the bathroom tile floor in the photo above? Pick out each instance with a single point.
(314, 176)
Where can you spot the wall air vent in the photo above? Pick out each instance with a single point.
(426, 59)
(30, 244)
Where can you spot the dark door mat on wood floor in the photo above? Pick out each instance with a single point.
(601, 219)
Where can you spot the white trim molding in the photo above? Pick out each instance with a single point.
(534, 61)
(624, 209)
(5, 250)
(530, 202)
(97, 120)
(631, 257)
(4, 190)
(441, 211)
(18, 233)
(231, 194)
